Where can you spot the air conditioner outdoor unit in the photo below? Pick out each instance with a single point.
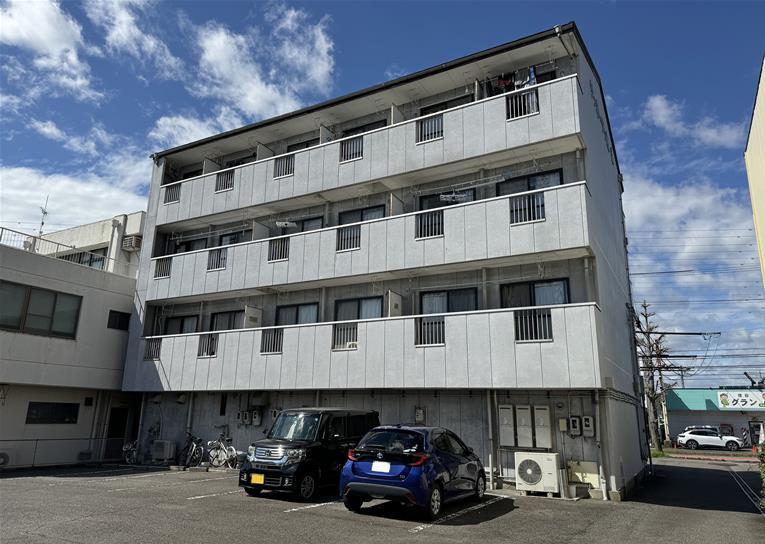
(536, 471)
(163, 451)
(131, 243)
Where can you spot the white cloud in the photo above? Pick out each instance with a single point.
(669, 115)
(55, 41)
(74, 199)
(174, 130)
(120, 21)
(78, 144)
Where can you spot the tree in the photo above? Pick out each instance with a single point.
(653, 352)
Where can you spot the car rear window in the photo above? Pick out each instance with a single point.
(392, 441)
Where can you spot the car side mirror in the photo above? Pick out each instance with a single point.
(470, 450)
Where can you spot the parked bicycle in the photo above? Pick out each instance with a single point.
(130, 452)
(222, 453)
(194, 452)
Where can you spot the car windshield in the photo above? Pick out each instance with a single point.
(393, 441)
(295, 426)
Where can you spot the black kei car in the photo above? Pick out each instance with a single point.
(305, 449)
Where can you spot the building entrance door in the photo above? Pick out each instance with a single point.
(116, 431)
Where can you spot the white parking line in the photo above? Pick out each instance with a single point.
(174, 484)
(310, 506)
(748, 492)
(450, 517)
(214, 495)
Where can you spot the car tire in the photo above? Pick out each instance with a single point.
(435, 502)
(479, 490)
(352, 503)
(691, 444)
(732, 446)
(306, 486)
(253, 491)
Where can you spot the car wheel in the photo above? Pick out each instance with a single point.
(305, 487)
(253, 491)
(691, 444)
(480, 487)
(732, 446)
(435, 501)
(352, 503)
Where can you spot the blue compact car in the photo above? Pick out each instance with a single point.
(422, 466)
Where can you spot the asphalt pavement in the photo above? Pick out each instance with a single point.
(687, 501)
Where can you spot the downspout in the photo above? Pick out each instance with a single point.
(140, 423)
(601, 470)
(190, 411)
(491, 439)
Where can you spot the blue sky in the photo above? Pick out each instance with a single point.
(88, 90)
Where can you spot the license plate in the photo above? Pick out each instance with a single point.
(257, 479)
(380, 466)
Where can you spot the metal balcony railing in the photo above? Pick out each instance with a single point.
(430, 128)
(430, 224)
(152, 349)
(208, 345)
(345, 336)
(173, 193)
(533, 325)
(284, 166)
(522, 104)
(216, 258)
(430, 331)
(162, 267)
(527, 208)
(348, 238)
(352, 149)
(224, 181)
(271, 340)
(278, 249)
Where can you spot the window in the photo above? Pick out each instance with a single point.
(545, 72)
(239, 162)
(454, 300)
(362, 214)
(336, 427)
(358, 308)
(314, 223)
(192, 173)
(447, 104)
(448, 443)
(364, 128)
(38, 311)
(357, 425)
(302, 145)
(118, 320)
(540, 180)
(537, 293)
(232, 238)
(297, 314)
(95, 258)
(39, 413)
(191, 245)
(183, 324)
(429, 202)
(225, 321)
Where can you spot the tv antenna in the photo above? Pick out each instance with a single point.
(44, 210)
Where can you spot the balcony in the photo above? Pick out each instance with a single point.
(477, 349)
(545, 220)
(501, 123)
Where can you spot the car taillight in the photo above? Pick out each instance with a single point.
(418, 459)
(352, 455)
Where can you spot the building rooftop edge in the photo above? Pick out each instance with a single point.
(754, 103)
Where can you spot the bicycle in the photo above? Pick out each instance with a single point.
(222, 452)
(194, 451)
(130, 452)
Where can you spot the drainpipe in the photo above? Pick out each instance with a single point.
(140, 423)
(601, 470)
(190, 411)
(491, 439)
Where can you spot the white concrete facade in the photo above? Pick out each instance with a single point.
(218, 239)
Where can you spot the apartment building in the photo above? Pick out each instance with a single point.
(754, 159)
(64, 317)
(446, 248)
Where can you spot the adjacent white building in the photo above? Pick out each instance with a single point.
(65, 306)
(447, 248)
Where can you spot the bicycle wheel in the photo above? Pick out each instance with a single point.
(218, 456)
(196, 456)
(232, 460)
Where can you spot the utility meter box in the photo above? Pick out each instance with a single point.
(574, 426)
(588, 426)
(245, 420)
(255, 416)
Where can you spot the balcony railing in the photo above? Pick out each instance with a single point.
(526, 208)
(173, 193)
(521, 104)
(216, 258)
(208, 345)
(430, 224)
(532, 347)
(224, 181)
(284, 166)
(352, 149)
(430, 128)
(278, 249)
(348, 238)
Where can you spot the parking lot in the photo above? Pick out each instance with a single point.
(692, 501)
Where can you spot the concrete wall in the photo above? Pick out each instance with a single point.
(95, 358)
(754, 157)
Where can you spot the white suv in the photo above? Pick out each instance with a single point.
(707, 438)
